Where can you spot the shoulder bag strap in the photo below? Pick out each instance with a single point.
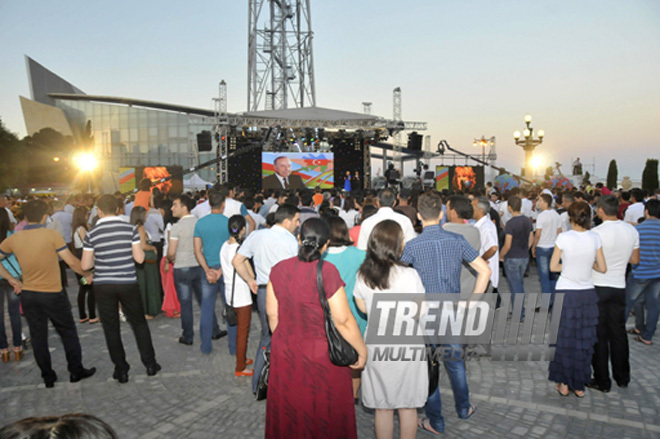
(12, 267)
(233, 281)
(319, 287)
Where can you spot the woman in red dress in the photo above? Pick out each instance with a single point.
(308, 396)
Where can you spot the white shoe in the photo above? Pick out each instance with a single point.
(122, 317)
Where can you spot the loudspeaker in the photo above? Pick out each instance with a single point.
(204, 142)
(415, 141)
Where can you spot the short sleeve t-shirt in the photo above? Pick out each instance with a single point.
(182, 232)
(35, 248)
(112, 241)
(619, 240)
(519, 227)
(213, 231)
(578, 254)
(548, 221)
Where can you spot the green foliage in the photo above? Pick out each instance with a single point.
(30, 161)
(612, 175)
(650, 175)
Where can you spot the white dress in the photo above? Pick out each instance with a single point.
(388, 384)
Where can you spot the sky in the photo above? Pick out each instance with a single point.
(587, 71)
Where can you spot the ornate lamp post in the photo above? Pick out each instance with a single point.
(528, 143)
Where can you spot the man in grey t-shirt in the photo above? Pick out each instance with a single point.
(187, 276)
(459, 211)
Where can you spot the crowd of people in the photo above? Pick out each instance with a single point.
(150, 254)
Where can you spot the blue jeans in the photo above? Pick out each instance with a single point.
(456, 372)
(264, 342)
(649, 289)
(13, 308)
(191, 281)
(548, 278)
(515, 276)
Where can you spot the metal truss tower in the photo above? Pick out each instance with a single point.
(397, 117)
(280, 62)
(221, 132)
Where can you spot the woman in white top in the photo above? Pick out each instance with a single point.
(237, 292)
(348, 212)
(389, 385)
(576, 253)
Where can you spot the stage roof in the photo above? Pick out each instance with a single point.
(311, 114)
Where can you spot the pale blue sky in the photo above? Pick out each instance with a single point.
(587, 71)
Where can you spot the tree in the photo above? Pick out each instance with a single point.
(612, 175)
(650, 175)
(9, 148)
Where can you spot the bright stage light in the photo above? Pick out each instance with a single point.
(86, 161)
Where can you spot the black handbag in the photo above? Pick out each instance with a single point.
(262, 384)
(341, 352)
(434, 369)
(230, 312)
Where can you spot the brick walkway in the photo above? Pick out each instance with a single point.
(197, 396)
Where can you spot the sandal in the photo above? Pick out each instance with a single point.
(425, 426)
(560, 386)
(634, 331)
(86, 319)
(471, 412)
(95, 320)
(641, 340)
(579, 393)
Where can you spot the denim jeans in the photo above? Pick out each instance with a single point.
(548, 278)
(650, 290)
(194, 280)
(13, 309)
(264, 342)
(456, 372)
(515, 276)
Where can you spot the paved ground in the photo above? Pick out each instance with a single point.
(197, 396)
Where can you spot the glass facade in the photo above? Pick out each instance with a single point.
(126, 136)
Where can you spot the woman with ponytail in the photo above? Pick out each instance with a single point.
(237, 293)
(308, 396)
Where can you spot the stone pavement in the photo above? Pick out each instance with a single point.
(197, 396)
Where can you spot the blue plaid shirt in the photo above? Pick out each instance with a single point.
(438, 256)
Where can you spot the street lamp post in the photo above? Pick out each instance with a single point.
(528, 144)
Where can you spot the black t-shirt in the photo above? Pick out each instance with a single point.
(519, 227)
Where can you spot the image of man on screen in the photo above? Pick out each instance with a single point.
(282, 178)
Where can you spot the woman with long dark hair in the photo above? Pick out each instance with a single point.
(171, 306)
(391, 385)
(79, 229)
(13, 303)
(308, 396)
(147, 272)
(347, 258)
(237, 292)
(576, 253)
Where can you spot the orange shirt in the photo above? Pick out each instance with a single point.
(142, 198)
(35, 248)
(318, 199)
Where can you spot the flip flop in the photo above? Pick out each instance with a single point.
(421, 425)
(471, 412)
(559, 391)
(641, 340)
(634, 331)
(579, 395)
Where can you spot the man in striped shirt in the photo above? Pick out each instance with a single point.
(645, 277)
(112, 247)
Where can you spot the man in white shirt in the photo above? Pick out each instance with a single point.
(620, 247)
(489, 250)
(548, 226)
(235, 207)
(203, 208)
(267, 247)
(566, 200)
(636, 209)
(386, 200)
